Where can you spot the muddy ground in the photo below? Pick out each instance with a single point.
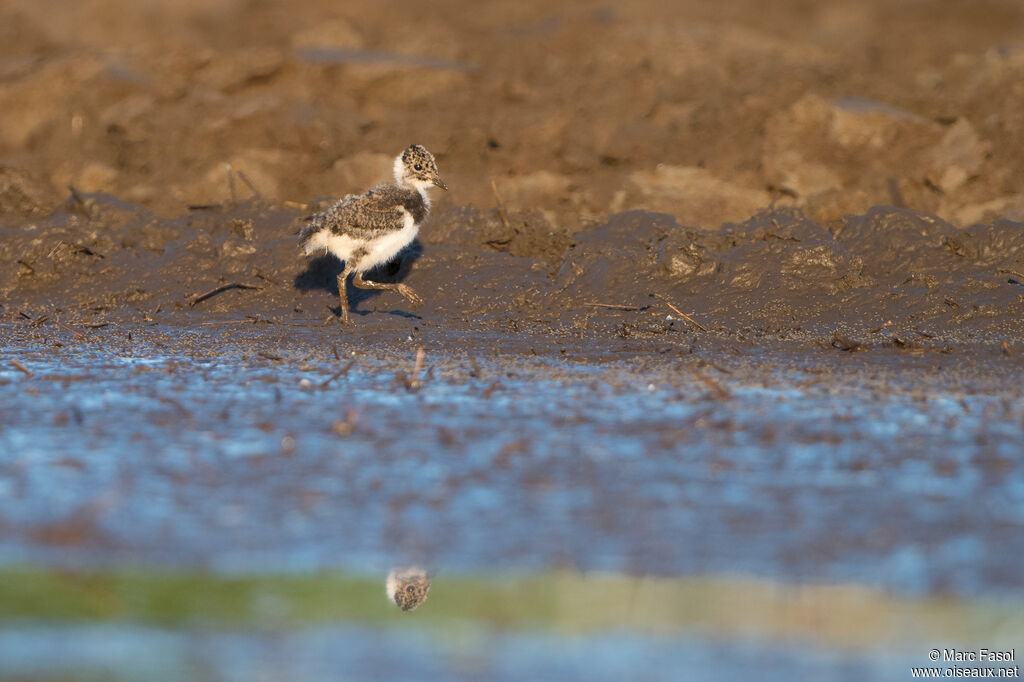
(706, 111)
(823, 167)
(719, 289)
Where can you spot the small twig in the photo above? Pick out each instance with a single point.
(412, 382)
(248, 182)
(81, 202)
(845, 343)
(1011, 272)
(267, 278)
(340, 373)
(476, 373)
(204, 207)
(78, 334)
(231, 182)
(82, 248)
(418, 366)
(501, 205)
(681, 314)
(715, 366)
(334, 347)
(199, 298)
(269, 356)
(615, 306)
(216, 323)
(60, 243)
(295, 204)
(716, 388)
(22, 368)
(878, 329)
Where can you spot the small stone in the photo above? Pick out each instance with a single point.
(96, 177)
(343, 428)
(818, 146)
(1007, 207)
(235, 248)
(693, 195)
(957, 157)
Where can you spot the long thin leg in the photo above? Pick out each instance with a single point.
(343, 293)
(403, 289)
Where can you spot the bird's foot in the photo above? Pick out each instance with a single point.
(409, 294)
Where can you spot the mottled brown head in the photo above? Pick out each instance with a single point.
(412, 594)
(416, 167)
(408, 588)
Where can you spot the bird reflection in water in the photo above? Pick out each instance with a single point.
(408, 587)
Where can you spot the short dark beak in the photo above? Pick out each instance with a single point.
(440, 183)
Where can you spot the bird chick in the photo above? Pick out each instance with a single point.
(370, 229)
(407, 587)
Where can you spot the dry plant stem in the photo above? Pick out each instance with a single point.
(252, 188)
(681, 314)
(501, 205)
(418, 366)
(231, 183)
(199, 298)
(616, 306)
(23, 369)
(80, 200)
(716, 388)
(340, 373)
(78, 334)
(412, 382)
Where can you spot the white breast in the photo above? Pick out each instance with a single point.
(378, 251)
(385, 248)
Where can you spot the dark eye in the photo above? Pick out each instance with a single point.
(410, 589)
(418, 166)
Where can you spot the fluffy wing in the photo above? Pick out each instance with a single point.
(365, 216)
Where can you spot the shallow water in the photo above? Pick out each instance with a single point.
(175, 625)
(144, 653)
(248, 454)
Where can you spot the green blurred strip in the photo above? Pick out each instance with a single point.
(845, 616)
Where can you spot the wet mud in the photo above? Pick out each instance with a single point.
(274, 446)
(891, 275)
(785, 173)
